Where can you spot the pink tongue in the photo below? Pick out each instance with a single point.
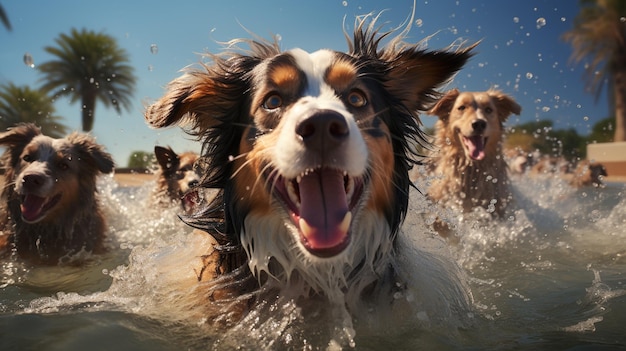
(31, 207)
(323, 207)
(475, 147)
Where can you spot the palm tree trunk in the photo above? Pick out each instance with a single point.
(89, 106)
(619, 91)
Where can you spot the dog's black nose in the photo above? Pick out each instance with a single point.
(479, 125)
(33, 181)
(323, 129)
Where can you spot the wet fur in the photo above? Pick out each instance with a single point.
(222, 103)
(458, 180)
(70, 165)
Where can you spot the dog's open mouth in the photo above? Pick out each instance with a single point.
(34, 208)
(320, 203)
(190, 200)
(475, 146)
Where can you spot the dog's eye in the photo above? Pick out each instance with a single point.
(27, 158)
(357, 98)
(488, 110)
(272, 102)
(461, 108)
(63, 165)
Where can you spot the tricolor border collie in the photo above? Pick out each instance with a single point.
(176, 176)
(310, 153)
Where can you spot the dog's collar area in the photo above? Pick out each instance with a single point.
(320, 204)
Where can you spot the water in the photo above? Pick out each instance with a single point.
(550, 276)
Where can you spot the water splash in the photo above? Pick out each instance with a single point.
(541, 22)
(28, 60)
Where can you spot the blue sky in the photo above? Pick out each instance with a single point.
(521, 52)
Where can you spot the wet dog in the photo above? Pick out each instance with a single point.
(311, 154)
(50, 212)
(175, 178)
(468, 166)
(588, 173)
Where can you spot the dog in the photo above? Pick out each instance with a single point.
(310, 153)
(175, 178)
(468, 168)
(50, 212)
(588, 173)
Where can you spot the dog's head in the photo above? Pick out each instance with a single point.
(589, 173)
(474, 120)
(177, 175)
(51, 175)
(315, 143)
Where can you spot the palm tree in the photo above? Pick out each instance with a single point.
(89, 67)
(23, 104)
(599, 39)
(4, 18)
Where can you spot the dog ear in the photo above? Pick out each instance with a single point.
(91, 152)
(443, 107)
(505, 105)
(183, 99)
(21, 134)
(167, 159)
(16, 138)
(204, 99)
(415, 74)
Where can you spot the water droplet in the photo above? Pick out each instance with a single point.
(28, 60)
(344, 3)
(150, 68)
(622, 19)
(279, 37)
(541, 22)
(419, 22)
(515, 19)
(586, 118)
(545, 109)
(529, 75)
(154, 49)
(563, 19)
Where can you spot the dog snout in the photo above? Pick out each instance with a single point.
(479, 125)
(323, 129)
(33, 181)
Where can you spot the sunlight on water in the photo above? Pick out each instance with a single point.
(550, 274)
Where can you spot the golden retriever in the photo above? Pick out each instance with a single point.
(468, 166)
(49, 208)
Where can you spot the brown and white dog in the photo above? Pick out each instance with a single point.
(311, 153)
(468, 166)
(49, 207)
(588, 173)
(176, 176)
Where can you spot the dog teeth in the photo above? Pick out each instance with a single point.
(349, 189)
(291, 191)
(345, 224)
